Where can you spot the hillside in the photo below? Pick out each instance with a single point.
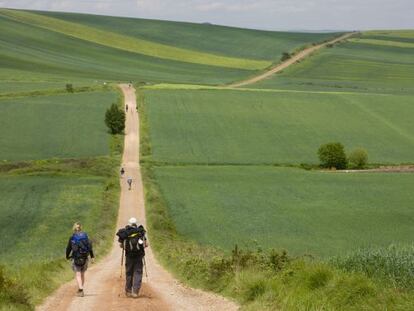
(80, 48)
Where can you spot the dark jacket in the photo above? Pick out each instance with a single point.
(69, 249)
(123, 240)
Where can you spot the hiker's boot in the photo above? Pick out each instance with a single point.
(80, 293)
(128, 294)
(134, 295)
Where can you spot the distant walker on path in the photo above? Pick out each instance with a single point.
(129, 181)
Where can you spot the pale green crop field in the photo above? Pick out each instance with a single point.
(381, 62)
(245, 127)
(304, 212)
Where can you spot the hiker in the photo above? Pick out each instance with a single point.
(130, 84)
(78, 249)
(122, 172)
(133, 241)
(129, 181)
(126, 107)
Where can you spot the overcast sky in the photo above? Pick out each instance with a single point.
(262, 14)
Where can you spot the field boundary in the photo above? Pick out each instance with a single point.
(296, 58)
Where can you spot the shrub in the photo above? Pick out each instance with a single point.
(332, 155)
(69, 88)
(115, 119)
(285, 56)
(358, 158)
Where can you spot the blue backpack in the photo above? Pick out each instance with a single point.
(80, 248)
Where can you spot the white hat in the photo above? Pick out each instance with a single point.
(132, 221)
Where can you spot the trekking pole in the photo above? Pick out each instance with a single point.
(145, 268)
(122, 258)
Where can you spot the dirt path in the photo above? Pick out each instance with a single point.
(104, 288)
(301, 55)
(384, 169)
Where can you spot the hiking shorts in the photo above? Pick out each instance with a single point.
(76, 268)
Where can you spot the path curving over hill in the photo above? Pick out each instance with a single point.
(104, 288)
(298, 57)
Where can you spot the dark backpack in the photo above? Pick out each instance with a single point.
(80, 248)
(133, 240)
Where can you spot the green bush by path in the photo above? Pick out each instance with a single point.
(301, 211)
(228, 126)
(69, 125)
(229, 41)
(359, 66)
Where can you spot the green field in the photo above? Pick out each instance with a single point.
(80, 48)
(303, 212)
(67, 126)
(38, 213)
(254, 127)
(372, 63)
(219, 40)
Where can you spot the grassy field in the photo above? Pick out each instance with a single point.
(31, 54)
(219, 40)
(371, 63)
(69, 125)
(224, 126)
(304, 212)
(130, 44)
(38, 213)
(54, 47)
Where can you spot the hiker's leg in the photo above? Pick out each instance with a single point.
(137, 275)
(79, 279)
(83, 278)
(129, 273)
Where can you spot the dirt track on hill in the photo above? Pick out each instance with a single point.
(298, 57)
(104, 289)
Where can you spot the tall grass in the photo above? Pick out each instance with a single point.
(394, 263)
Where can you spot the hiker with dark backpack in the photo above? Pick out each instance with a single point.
(79, 248)
(133, 241)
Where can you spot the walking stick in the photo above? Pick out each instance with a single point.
(122, 258)
(145, 268)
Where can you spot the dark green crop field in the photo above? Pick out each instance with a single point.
(225, 126)
(65, 126)
(303, 212)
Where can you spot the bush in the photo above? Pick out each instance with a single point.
(358, 158)
(115, 119)
(69, 88)
(285, 56)
(332, 155)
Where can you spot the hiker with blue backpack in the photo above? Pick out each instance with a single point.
(79, 248)
(133, 241)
